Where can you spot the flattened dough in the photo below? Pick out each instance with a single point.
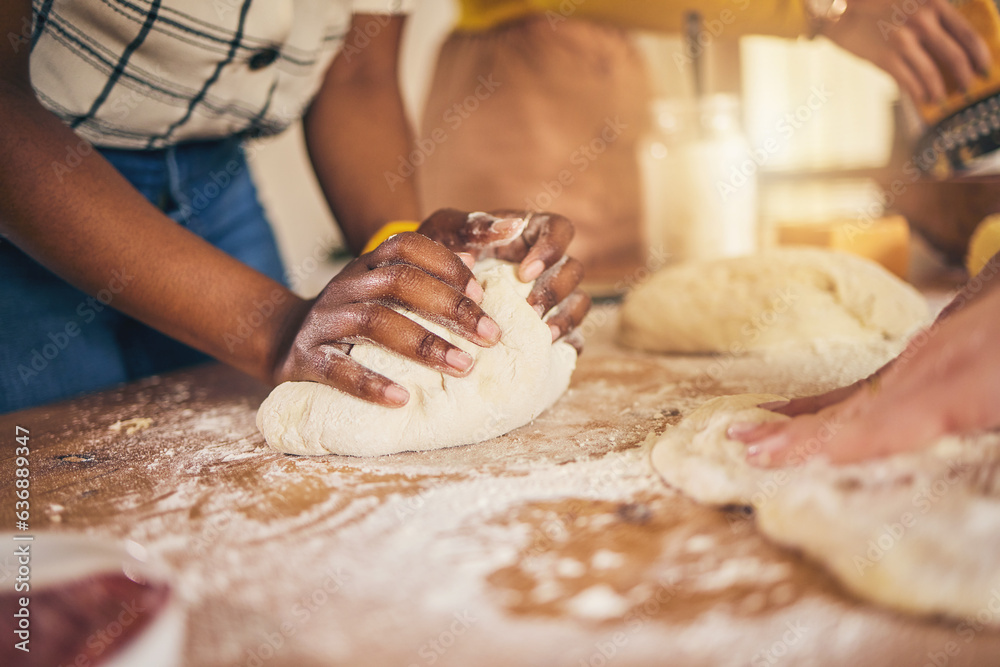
(917, 532)
(511, 384)
(791, 295)
(697, 458)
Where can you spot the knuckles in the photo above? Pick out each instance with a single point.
(400, 279)
(370, 384)
(365, 318)
(399, 246)
(429, 346)
(558, 227)
(551, 289)
(580, 306)
(544, 295)
(573, 270)
(465, 311)
(924, 21)
(571, 313)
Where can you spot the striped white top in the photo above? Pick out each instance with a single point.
(150, 73)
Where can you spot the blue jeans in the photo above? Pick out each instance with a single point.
(56, 341)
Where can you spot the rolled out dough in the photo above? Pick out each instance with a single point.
(790, 295)
(918, 532)
(510, 384)
(698, 458)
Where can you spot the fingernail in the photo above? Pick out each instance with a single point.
(555, 331)
(397, 394)
(488, 329)
(740, 430)
(773, 405)
(540, 309)
(757, 457)
(764, 450)
(458, 359)
(532, 270)
(474, 291)
(467, 259)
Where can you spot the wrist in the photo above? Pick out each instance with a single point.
(276, 342)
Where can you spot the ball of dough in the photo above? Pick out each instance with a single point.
(510, 384)
(774, 298)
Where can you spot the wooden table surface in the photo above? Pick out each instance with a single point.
(553, 545)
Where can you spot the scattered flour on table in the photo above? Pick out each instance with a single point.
(357, 544)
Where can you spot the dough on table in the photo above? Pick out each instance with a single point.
(790, 295)
(511, 383)
(918, 532)
(697, 458)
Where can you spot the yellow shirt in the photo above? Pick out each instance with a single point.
(784, 18)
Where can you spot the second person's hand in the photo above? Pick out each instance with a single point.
(944, 383)
(929, 48)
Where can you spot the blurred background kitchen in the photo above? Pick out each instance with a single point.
(745, 142)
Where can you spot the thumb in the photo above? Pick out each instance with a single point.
(484, 230)
(460, 231)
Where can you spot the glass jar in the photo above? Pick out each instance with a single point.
(699, 180)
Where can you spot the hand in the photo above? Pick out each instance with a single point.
(538, 241)
(409, 271)
(928, 51)
(947, 381)
(974, 290)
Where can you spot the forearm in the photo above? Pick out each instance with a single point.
(90, 227)
(357, 132)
